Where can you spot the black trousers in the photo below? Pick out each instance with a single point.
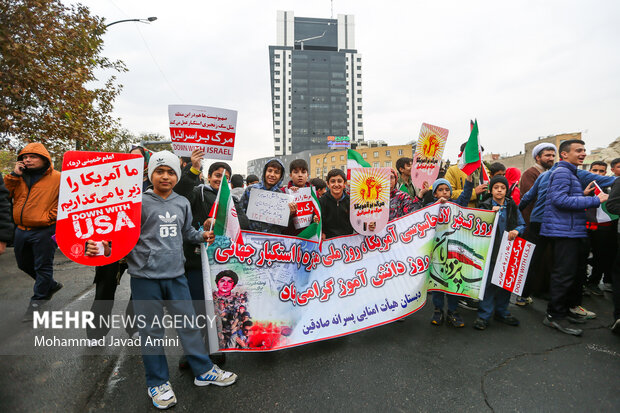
(604, 247)
(537, 281)
(615, 281)
(107, 278)
(567, 277)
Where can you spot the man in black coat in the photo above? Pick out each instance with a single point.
(6, 220)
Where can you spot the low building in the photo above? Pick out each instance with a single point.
(525, 160)
(377, 154)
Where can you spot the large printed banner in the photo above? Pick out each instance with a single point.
(100, 199)
(202, 127)
(512, 264)
(427, 156)
(275, 292)
(370, 199)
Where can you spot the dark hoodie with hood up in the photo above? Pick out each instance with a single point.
(201, 197)
(245, 199)
(35, 192)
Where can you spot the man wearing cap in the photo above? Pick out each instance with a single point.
(34, 185)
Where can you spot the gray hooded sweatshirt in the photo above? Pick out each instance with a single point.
(165, 224)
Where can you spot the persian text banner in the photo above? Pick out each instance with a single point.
(286, 293)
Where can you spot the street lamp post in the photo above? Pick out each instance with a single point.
(147, 20)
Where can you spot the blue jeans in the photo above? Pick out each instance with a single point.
(494, 298)
(148, 301)
(34, 252)
(438, 298)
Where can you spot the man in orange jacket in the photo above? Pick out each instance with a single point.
(34, 185)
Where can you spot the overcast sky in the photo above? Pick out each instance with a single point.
(524, 69)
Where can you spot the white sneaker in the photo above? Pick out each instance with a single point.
(579, 311)
(163, 397)
(215, 376)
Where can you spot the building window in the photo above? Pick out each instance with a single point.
(364, 155)
(277, 64)
(400, 152)
(359, 108)
(388, 163)
(333, 159)
(277, 72)
(277, 89)
(318, 160)
(277, 148)
(276, 80)
(277, 97)
(387, 152)
(360, 124)
(359, 59)
(277, 130)
(375, 154)
(343, 167)
(277, 140)
(277, 106)
(358, 83)
(376, 164)
(359, 115)
(359, 100)
(359, 68)
(359, 75)
(277, 122)
(342, 157)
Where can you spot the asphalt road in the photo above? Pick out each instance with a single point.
(408, 366)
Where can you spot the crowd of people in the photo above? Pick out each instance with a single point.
(556, 205)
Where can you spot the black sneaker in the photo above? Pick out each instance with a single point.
(509, 320)
(455, 319)
(469, 303)
(54, 290)
(562, 326)
(595, 290)
(481, 324)
(437, 319)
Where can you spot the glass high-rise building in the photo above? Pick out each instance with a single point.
(316, 82)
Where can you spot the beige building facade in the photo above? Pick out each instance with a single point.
(525, 160)
(376, 156)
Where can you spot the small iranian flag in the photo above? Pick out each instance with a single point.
(602, 214)
(464, 254)
(313, 231)
(225, 214)
(355, 160)
(471, 158)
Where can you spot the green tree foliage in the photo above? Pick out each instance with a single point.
(49, 53)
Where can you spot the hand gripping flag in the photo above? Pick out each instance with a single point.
(313, 231)
(225, 214)
(355, 160)
(602, 214)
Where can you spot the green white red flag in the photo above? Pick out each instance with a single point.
(225, 214)
(602, 214)
(355, 160)
(471, 158)
(313, 231)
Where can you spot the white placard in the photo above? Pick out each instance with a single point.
(269, 206)
(512, 264)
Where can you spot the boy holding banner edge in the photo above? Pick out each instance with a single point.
(510, 219)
